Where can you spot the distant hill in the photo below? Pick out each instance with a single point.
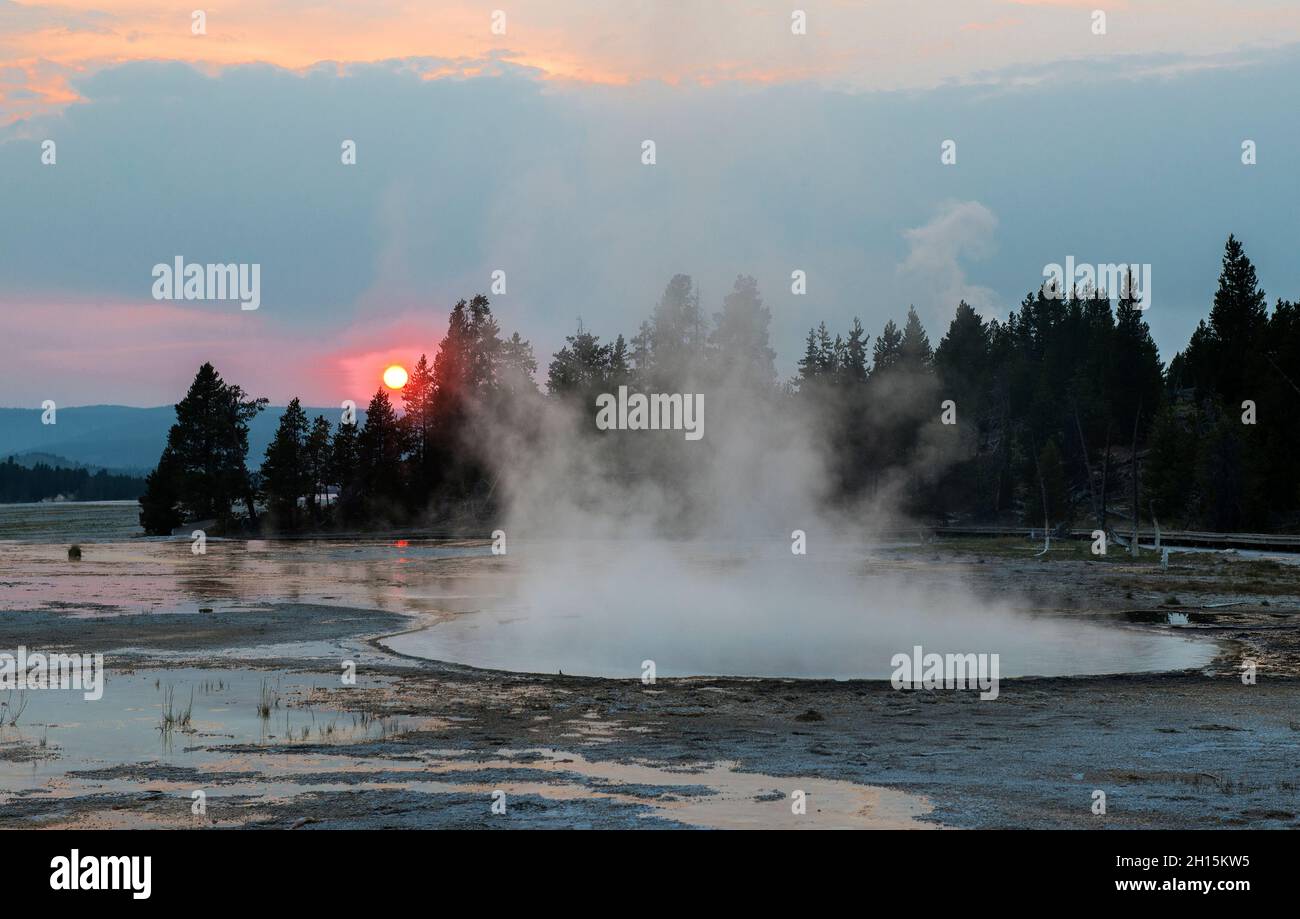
(117, 437)
(21, 484)
(35, 458)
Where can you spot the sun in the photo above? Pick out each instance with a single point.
(395, 376)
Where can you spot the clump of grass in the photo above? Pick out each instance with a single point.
(267, 700)
(12, 712)
(168, 721)
(172, 717)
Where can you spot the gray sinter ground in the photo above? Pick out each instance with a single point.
(423, 744)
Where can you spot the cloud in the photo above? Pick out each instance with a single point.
(1005, 22)
(459, 176)
(78, 350)
(961, 230)
(678, 42)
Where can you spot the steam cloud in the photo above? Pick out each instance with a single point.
(627, 546)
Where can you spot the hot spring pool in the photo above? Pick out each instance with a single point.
(605, 614)
(578, 646)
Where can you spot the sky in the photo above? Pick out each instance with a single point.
(521, 152)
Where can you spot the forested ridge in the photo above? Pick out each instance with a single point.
(43, 481)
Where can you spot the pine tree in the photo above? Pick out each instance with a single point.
(345, 470)
(855, 368)
(380, 448)
(676, 334)
(206, 448)
(453, 370)
(417, 399)
(318, 460)
(161, 510)
(285, 475)
(1170, 467)
(1239, 305)
(1092, 386)
(518, 366)
(887, 352)
(486, 347)
(914, 348)
(810, 362)
(620, 368)
(642, 350)
(1221, 488)
(962, 358)
(827, 363)
(1279, 387)
(452, 367)
(582, 367)
(740, 337)
(1221, 356)
(1136, 374)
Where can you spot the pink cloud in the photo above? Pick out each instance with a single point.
(80, 351)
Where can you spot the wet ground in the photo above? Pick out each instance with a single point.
(253, 687)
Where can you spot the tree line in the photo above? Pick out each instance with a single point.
(1063, 413)
(42, 481)
(393, 469)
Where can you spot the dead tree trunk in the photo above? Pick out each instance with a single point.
(1105, 476)
(1136, 508)
(1087, 468)
(1004, 454)
(1042, 490)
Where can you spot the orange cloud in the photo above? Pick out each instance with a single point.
(43, 46)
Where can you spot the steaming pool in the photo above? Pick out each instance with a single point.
(590, 607)
(769, 617)
(581, 646)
